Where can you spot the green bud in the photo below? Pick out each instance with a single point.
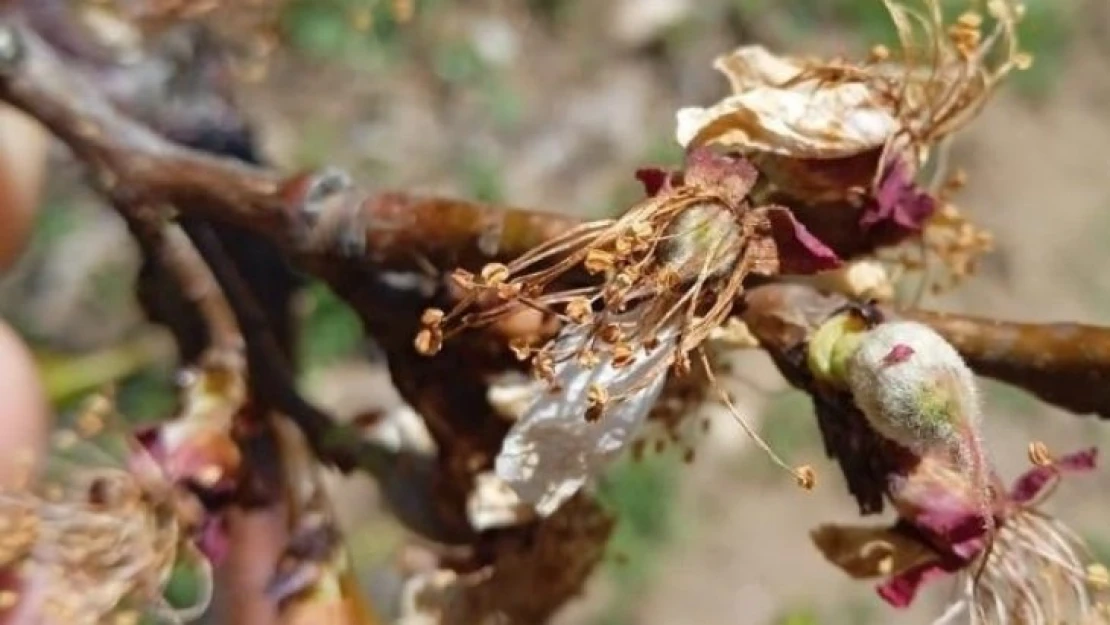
(831, 347)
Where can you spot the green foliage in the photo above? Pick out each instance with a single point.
(482, 179)
(147, 396)
(788, 427)
(1046, 33)
(330, 330)
(640, 495)
(352, 30)
(798, 616)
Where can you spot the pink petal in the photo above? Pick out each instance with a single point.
(899, 206)
(799, 251)
(213, 541)
(1032, 482)
(900, 590)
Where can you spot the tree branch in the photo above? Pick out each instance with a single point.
(1064, 364)
(315, 215)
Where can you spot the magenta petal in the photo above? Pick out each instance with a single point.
(899, 205)
(950, 520)
(900, 590)
(799, 251)
(1033, 481)
(213, 541)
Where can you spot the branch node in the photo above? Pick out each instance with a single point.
(320, 205)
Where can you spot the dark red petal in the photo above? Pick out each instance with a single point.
(1032, 482)
(900, 590)
(899, 206)
(799, 251)
(939, 506)
(654, 179)
(730, 176)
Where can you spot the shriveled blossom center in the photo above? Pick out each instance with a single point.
(666, 274)
(704, 238)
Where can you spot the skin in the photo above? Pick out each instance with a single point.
(23, 146)
(24, 409)
(24, 421)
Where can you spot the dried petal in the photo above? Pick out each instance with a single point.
(868, 552)
(749, 67)
(899, 207)
(553, 450)
(731, 177)
(900, 590)
(802, 121)
(796, 250)
(493, 503)
(1032, 482)
(655, 180)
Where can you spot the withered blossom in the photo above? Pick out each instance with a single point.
(314, 580)
(665, 276)
(1032, 569)
(101, 534)
(195, 447)
(852, 136)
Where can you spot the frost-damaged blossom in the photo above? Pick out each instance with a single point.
(1031, 570)
(196, 447)
(858, 133)
(914, 392)
(314, 580)
(665, 275)
(100, 536)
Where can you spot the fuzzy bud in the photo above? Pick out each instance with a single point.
(915, 389)
(912, 385)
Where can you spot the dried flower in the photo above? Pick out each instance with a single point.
(101, 534)
(814, 109)
(1032, 572)
(857, 134)
(196, 446)
(668, 273)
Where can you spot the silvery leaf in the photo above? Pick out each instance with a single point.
(553, 450)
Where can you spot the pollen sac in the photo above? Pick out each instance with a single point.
(705, 239)
(554, 448)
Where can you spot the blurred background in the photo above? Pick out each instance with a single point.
(552, 104)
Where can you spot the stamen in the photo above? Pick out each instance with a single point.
(804, 475)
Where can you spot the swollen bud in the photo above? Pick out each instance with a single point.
(915, 389)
